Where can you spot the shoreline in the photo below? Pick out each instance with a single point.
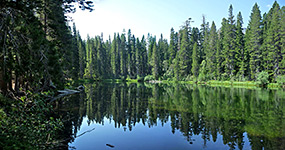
(208, 83)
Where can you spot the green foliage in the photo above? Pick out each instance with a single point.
(202, 77)
(195, 59)
(263, 78)
(241, 77)
(240, 55)
(211, 51)
(123, 55)
(27, 124)
(172, 50)
(155, 62)
(228, 54)
(253, 41)
(37, 50)
(176, 69)
(281, 80)
(229, 44)
(55, 54)
(203, 72)
(282, 63)
(184, 54)
(149, 78)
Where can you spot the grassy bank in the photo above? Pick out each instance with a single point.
(249, 84)
(232, 83)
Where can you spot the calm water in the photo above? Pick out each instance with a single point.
(136, 116)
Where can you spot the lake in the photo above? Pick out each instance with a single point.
(175, 116)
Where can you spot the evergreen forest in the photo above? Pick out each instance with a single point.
(232, 52)
(40, 50)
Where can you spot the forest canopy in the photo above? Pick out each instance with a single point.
(232, 52)
(40, 50)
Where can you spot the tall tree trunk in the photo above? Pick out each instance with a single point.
(17, 83)
(10, 81)
(3, 85)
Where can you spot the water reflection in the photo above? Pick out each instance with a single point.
(235, 114)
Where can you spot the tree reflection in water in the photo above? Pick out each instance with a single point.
(192, 110)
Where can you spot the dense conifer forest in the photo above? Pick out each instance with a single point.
(232, 52)
(38, 52)
(40, 49)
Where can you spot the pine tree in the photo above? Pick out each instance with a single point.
(204, 32)
(253, 41)
(265, 47)
(184, 54)
(101, 58)
(131, 52)
(151, 42)
(118, 56)
(144, 57)
(75, 54)
(123, 56)
(139, 57)
(89, 70)
(211, 51)
(272, 42)
(229, 44)
(108, 46)
(177, 75)
(82, 55)
(155, 62)
(172, 50)
(195, 36)
(195, 59)
(219, 59)
(164, 55)
(133, 58)
(95, 59)
(220, 47)
(114, 56)
(240, 56)
(38, 47)
(282, 64)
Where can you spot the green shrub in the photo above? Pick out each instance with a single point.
(281, 80)
(149, 78)
(225, 77)
(202, 77)
(263, 78)
(28, 123)
(189, 78)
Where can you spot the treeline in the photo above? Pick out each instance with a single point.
(229, 53)
(37, 46)
(40, 51)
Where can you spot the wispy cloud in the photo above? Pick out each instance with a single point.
(268, 5)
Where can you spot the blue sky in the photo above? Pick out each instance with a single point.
(158, 16)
